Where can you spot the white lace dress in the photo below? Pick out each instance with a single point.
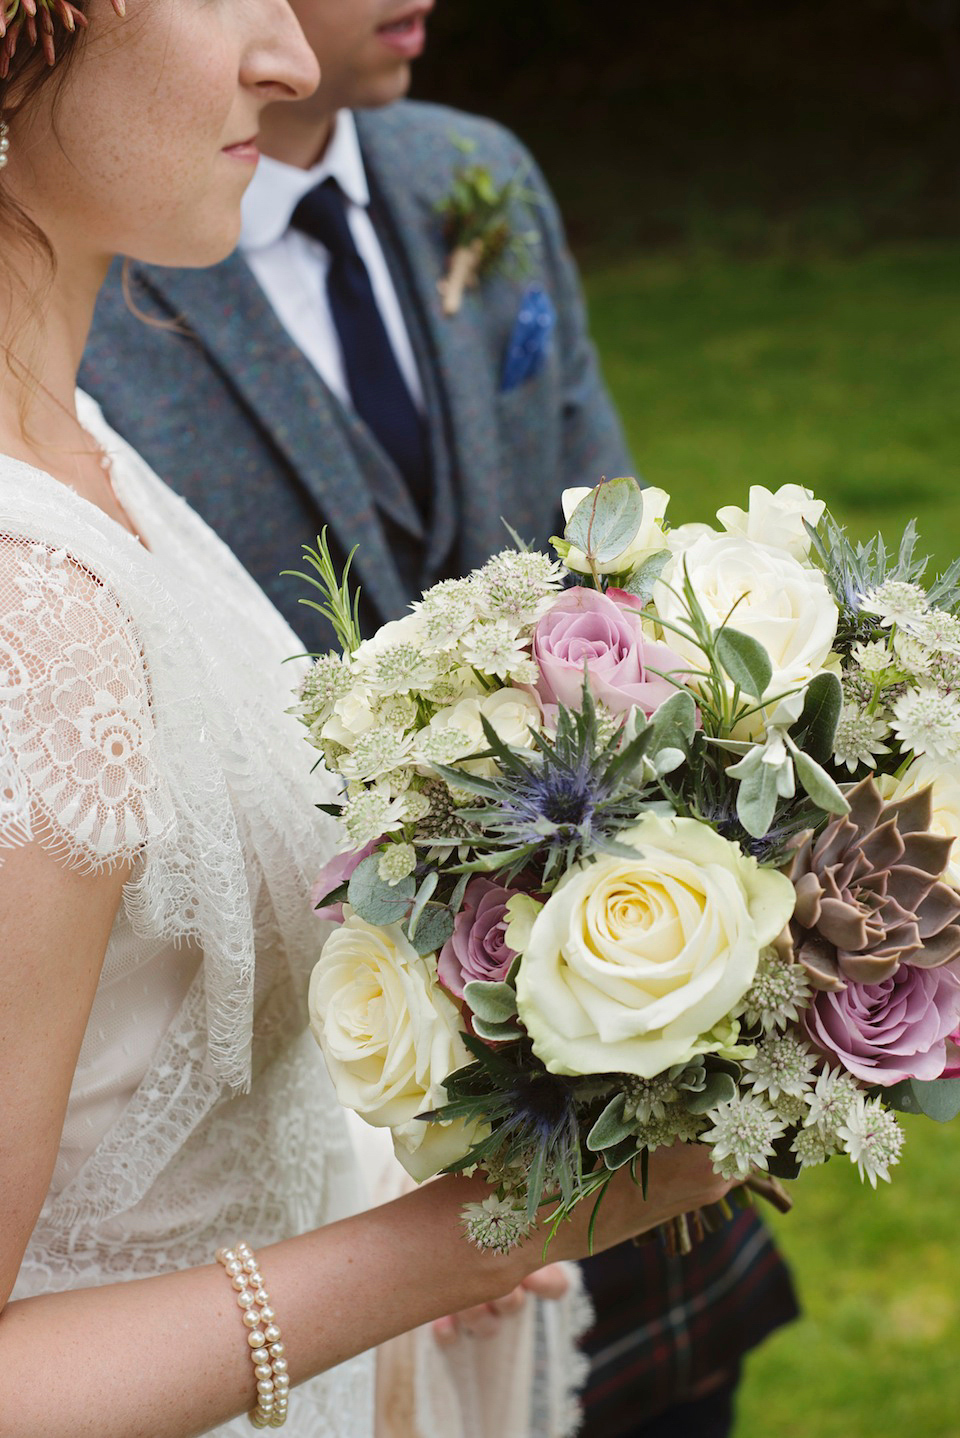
(142, 697)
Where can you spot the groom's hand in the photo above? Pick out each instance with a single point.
(484, 1321)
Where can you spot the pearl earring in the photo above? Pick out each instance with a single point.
(4, 142)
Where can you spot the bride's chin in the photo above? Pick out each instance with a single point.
(194, 251)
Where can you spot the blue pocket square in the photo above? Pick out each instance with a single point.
(530, 340)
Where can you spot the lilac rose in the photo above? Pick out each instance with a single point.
(333, 874)
(477, 949)
(892, 1030)
(587, 630)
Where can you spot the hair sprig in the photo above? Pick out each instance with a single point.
(36, 21)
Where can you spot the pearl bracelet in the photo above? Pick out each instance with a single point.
(266, 1349)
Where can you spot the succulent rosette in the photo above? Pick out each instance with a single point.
(869, 894)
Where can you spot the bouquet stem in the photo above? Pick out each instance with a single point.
(680, 1235)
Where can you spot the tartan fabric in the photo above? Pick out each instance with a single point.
(665, 1325)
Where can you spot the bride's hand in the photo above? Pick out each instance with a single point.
(484, 1319)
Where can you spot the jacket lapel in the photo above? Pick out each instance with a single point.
(406, 190)
(225, 309)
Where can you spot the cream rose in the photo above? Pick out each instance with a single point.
(944, 783)
(390, 1036)
(648, 539)
(776, 517)
(773, 597)
(457, 731)
(631, 961)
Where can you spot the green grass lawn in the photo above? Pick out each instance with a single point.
(842, 375)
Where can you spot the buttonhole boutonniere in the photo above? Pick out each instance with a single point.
(477, 227)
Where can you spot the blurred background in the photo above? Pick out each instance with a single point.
(765, 202)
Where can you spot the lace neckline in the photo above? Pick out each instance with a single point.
(118, 487)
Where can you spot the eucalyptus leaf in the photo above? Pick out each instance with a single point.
(745, 660)
(818, 784)
(938, 1099)
(816, 728)
(374, 899)
(642, 580)
(495, 1003)
(426, 892)
(433, 930)
(610, 1128)
(606, 521)
(620, 1154)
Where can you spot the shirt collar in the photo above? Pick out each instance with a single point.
(277, 189)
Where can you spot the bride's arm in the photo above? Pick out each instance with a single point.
(167, 1356)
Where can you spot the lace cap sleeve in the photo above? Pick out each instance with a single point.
(76, 732)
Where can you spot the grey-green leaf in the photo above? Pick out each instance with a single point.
(674, 724)
(425, 893)
(816, 727)
(718, 1088)
(373, 898)
(938, 1099)
(818, 784)
(495, 1003)
(504, 1033)
(757, 800)
(643, 579)
(606, 521)
(610, 1128)
(433, 930)
(745, 660)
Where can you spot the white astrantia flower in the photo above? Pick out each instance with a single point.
(859, 737)
(937, 630)
(328, 679)
(396, 862)
(783, 1063)
(790, 1107)
(913, 657)
(376, 754)
(517, 586)
(928, 722)
(496, 1224)
(373, 812)
(778, 993)
(872, 1137)
(453, 685)
(743, 1134)
(831, 1100)
(813, 1146)
(676, 1125)
(874, 658)
(497, 647)
(648, 1099)
(896, 602)
(351, 718)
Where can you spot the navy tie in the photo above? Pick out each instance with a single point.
(377, 388)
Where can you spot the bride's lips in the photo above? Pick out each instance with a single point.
(246, 150)
(406, 34)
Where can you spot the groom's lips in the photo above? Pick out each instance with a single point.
(406, 35)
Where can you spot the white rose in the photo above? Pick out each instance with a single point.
(390, 1036)
(351, 718)
(631, 961)
(944, 783)
(776, 517)
(647, 540)
(513, 713)
(761, 591)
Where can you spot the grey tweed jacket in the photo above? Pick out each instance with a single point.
(229, 412)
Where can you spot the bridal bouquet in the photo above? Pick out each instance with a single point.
(661, 854)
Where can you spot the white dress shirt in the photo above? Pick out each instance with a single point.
(291, 267)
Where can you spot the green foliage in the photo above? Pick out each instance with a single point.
(606, 520)
(376, 901)
(338, 606)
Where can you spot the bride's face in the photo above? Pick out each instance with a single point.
(146, 146)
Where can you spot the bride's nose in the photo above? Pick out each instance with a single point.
(278, 59)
